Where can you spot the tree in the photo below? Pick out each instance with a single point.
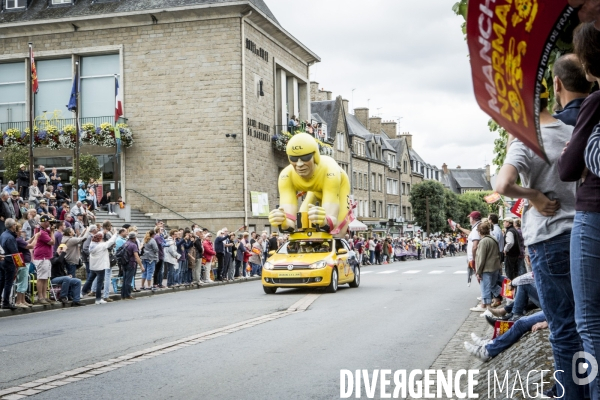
(473, 201)
(13, 158)
(88, 169)
(437, 210)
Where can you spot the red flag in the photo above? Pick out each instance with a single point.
(518, 208)
(34, 79)
(510, 44)
(118, 101)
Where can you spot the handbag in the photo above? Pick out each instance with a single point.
(113, 259)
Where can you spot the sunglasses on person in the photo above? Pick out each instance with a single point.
(305, 158)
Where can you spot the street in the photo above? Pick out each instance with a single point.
(401, 317)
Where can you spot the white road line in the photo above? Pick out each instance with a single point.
(89, 371)
(412, 272)
(461, 272)
(388, 272)
(366, 272)
(436, 272)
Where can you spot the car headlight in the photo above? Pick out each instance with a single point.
(268, 266)
(318, 265)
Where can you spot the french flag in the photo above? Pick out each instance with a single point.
(118, 101)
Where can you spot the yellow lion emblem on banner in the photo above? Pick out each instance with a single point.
(526, 10)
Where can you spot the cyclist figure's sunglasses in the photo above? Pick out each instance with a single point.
(305, 158)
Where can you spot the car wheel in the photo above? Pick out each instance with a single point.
(356, 282)
(269, 290)
(332, 288)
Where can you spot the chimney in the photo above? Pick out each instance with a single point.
(408, 138)
(488, 176)
(390, 128)
(314, 90)
(329, 95)
(362, 114)
(346, 104)
(458, 167)
(445, 168)
(321, 95)
(375, 125)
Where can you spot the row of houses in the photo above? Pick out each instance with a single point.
(382, 163)
(205, 86)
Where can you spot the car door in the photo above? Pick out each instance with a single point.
(344, 270)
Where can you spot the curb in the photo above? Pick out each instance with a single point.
(117, 297)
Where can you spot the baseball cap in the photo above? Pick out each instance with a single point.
(42, 201)
(59, 185)
(475, 215)
(45, 218)
(509, 220)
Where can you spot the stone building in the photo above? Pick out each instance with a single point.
(205, 83)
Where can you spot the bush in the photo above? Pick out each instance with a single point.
(13, 157)
(88, 169)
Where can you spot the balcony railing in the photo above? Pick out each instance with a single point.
(59, 123)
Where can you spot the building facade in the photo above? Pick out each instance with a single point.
(205, 83)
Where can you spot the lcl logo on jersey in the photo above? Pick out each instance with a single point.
(297, 148)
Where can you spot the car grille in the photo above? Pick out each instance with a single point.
(296, 267)
(292, 281)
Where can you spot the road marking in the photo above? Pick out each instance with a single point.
(461, 272)
(388, 272)
(436, 272)
(412, 272)
(366, 272)
(89, 371)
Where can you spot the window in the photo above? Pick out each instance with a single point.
(12, 93)
(404, 213)
(360, 181)
(392, 211)
(55, 78)
(354, 180)
(392, 186)
(392, 161)
(373, 182)
(381, 209)
(98, 85)
(15, 4)
(366, 181)
(374, 211)
(408, 188)
(380, 183)
(403, 188)
(405, 169)
(340, 142)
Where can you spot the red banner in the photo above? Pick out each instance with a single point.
(510, 44)
(506, 292)
(518, 208)
(501, 327)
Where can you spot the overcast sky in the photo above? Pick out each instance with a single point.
(409, 58)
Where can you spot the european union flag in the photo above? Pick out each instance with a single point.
(73, 100)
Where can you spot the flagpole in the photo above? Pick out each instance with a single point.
(31, 111)
(77, 150)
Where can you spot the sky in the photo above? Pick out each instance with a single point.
(406, 60)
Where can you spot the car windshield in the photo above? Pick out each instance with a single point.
(306, 246)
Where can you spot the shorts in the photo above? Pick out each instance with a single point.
(22, 280)
(43, 268)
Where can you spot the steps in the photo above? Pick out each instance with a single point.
(138, 219)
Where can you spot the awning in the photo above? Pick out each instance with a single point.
(357, 226)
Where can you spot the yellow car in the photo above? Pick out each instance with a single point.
(311, 259)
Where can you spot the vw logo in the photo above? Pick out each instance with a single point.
(290, 267)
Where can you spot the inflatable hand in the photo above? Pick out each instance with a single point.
(316, 215)
(277, 218)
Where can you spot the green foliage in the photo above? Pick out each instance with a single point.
(460, 9)
(88, 169)
(500, 144)
(435, 192)
(13, 157)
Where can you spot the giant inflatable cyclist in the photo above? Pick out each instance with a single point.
(325, 183)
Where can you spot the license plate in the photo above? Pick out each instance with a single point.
(290, 275)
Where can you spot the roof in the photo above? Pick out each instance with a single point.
(415, 156)
(398, 144)
(40, 10)
(325, 110)
(464, 179)
(355, 128)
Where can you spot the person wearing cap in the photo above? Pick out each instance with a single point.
(14, 202)
(547, 226)
(61, 195)
(99, 263)
(324, 181)
(473, 237)
(43, 207)
(70, 286)
(42, 254)
(23, 181)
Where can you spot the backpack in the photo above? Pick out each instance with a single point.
(122, 255)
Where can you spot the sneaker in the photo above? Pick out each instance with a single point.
(479, 341)
(479, 298)
(108, 300)
(478, 351)
(101, 301)
(77, 304)
(9, 307)
(478, 308)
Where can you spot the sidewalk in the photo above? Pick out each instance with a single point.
(532, 352)
(117, 297)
